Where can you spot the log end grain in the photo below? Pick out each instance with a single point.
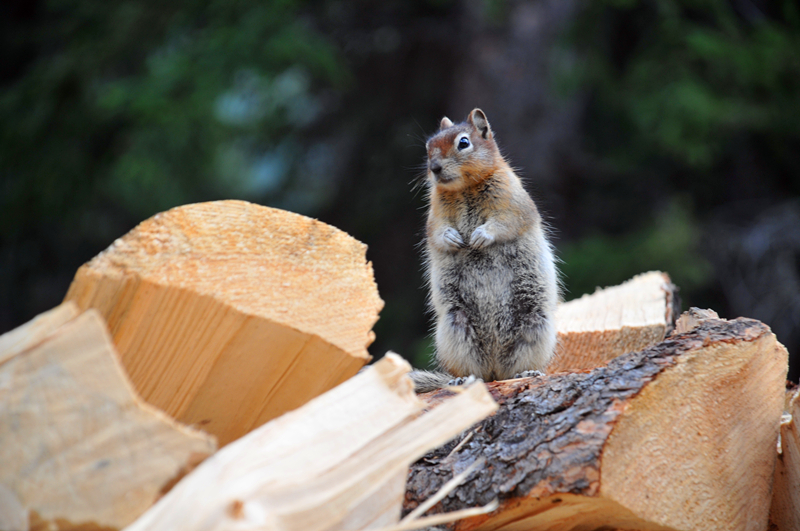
(228, 314)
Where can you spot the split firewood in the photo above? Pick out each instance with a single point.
(785, 510)
(228, 314)
(599, 327)
(337, 463)
(678, 436)
(78, 448)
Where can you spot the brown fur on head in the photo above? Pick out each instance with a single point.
(453, 162)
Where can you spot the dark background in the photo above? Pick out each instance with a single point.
(661, 134)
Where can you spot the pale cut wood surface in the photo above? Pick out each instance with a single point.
(336, 463)
(599, 327)
(714, 415)
(679, 436)
(785, 510)
(36, 330)
(76, 444)
(228, 314)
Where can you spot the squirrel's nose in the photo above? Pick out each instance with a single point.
(436, 167)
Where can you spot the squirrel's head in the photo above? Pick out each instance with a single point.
(461, 154)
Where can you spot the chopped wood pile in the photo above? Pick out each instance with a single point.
(338, 462)
(246, 325)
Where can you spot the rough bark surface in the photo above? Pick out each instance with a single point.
(548, 436)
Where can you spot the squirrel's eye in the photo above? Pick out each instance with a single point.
(463, 143)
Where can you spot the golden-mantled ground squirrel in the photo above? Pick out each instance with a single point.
(493, 281)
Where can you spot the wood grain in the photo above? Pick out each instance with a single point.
(599, 327)
(77, 447)
(336, 463)
(785, 510)
(228, 314)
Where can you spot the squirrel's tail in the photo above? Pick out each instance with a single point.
(425, 381)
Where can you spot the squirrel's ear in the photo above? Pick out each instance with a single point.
(446, 122)
(479, 122)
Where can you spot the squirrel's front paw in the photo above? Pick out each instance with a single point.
(452, 239)
(481, 238)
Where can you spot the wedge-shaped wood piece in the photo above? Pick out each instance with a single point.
(679, 436)
(228, 314)
(338, 462)
(785, 511)
(76, 443)
(599, 327)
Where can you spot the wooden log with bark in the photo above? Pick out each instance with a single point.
(78, 448)
(597, 328)
(228, 314)
(678, 436)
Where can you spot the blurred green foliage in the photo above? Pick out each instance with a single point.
(685, 99)
(149, 105)
(682, 79)
(668, 244)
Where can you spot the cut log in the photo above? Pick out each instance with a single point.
(228, 314)
(785, 510)
(597, 328)
(77, 446)
(337, 463)
(678, 436)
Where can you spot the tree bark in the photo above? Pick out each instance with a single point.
(681, 435)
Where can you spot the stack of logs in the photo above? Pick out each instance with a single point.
(241, 327)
